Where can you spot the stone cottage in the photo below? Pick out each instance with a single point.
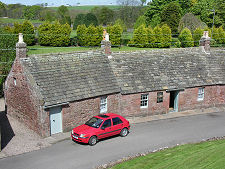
(55, 92)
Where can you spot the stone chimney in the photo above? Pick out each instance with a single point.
(204, 43)
(106, 44)
(21, 48)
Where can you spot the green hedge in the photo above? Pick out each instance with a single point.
(55, 34)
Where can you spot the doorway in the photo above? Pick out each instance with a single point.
(56, 120)
(173, 104)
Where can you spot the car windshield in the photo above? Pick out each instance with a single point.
(94, 122)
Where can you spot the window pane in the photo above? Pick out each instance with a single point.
(116, 121)
(144, 100)
(159, 97)
(107, 123)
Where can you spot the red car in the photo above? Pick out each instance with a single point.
(99, 127)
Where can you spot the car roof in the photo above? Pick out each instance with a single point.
(107, 115)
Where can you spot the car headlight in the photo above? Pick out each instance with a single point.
(83, 136)
(72, 132)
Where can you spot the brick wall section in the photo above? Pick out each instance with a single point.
(130, 105)
(213, 96)
(22, 101)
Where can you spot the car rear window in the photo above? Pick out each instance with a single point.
(117, 120)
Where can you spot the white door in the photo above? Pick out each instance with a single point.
(56, 120)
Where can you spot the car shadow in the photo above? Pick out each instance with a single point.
(101, 140)
(6, 132)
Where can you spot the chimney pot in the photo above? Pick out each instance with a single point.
(20, 38)
(21, 47)
(204, 43)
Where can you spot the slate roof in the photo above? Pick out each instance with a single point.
(69, 77)
(168, 69)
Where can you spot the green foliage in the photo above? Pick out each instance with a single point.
(185, 38)
(89, 36)
(3, 10)
(115, 34)
(140, 37)
(158, 37)
(220, 11)
(140, 21)
(175, 43)
(167, 37)
(122, 24)
(154, 10)
(104, 14)
(171, 15)
(32, 12)
(55, 34)
(151, 38)
(79, 20)
(64, 16)
(81, 34)
(221, 32)
(89, 19)
(191, 22)
(26, 28)
(197, 34)
(7, 54)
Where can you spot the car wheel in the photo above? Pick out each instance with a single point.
(124, 132)
(92, 141)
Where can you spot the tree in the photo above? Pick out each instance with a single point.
(115, 34)
(89, 19)
(220, 11)
(140, 37)
(32, 12)
(3, 11)
(191, 22)
(198, 33)
(64, 16)
(166, 35)
(158, 37)
(151, 37)
(185, 38)
(140, 21)
(153, 12)
(122, 24)
(171, 15)
(129, 11)
(79, 20)
(143, 2)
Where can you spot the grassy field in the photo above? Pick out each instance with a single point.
(11, 20)
(87, 7)
(37, 49)
(205, 155)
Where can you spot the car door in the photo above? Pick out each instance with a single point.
(117, 125)
(106, 129)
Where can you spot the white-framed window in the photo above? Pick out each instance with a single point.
(144, 100)
(200, 94)
(103, 104)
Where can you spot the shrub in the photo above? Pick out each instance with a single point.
(140, 37)
(185, 38)
(166, 35)
(55, 34)
(115, 34)
(221, 35)
(198, 33)
(89, 36)
(158, 37)
(151, 37)
(175, 43)
(140, 21)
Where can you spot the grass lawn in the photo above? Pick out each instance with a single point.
(37, 49)
(210, 154)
